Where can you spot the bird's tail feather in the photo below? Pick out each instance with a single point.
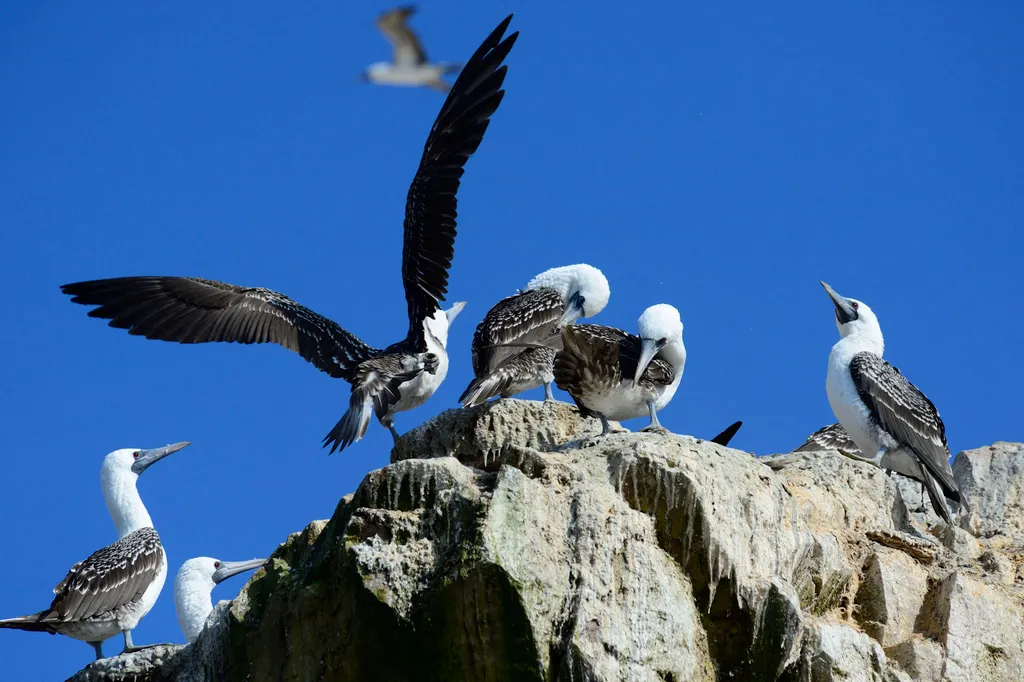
(353, 424)
(725, 436)
(482, 389)
(937, 498)
(29, 623)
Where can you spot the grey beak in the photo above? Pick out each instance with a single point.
(230, 568)
(148, 458)
(648, 349)
(844, 311)
(573, 310)
(454, 311)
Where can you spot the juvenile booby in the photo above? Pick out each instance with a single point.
(194, 584)
(409, 65)
(533, 317)
(398, 378)
(831, 437)
(894, 425)
(112, 590)
(615, 375)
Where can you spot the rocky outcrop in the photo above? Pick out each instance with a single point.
(506, 542)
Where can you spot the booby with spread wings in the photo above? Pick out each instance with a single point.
(403, 375)
(409, 65)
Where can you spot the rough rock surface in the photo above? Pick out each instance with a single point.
(505, 542)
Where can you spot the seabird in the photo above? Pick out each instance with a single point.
(615, 375)
(831, 437)
(408, 66)
(406, 373)
(193, 585)
(893, 424)
(112, 590)
(533, 318)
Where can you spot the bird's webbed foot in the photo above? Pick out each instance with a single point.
(655, 428)
(430, 363)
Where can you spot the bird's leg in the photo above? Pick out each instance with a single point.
(655, 426)
(390, 423)
(430, 363)
(130, 648)
(606, 428)
(98, 646)
(548, 395)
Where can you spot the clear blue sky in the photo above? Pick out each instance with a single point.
(722, 158)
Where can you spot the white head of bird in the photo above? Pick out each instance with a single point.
(661, 332)
(118, 476)
(439, 323)
(194, 584)
(857, 323)
(583, 287)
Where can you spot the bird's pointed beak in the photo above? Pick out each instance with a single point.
(648, 349)
(148, 458)
(230, 568)
(573, 311)
(844, 311)
(454, 311)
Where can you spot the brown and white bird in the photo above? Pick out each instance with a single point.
(401, 376)
(615, 375)
(112, 590)
(514, 346)
(409, 66)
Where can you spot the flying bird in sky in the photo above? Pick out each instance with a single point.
(409, 66)
(401, 376)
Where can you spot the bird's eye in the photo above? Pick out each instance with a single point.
(135, 454)
(854, 305)
(662, 341)
(216, 564)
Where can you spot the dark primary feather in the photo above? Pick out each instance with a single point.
(194, 310)
(725, 436)
(111, 577)
(527, 317)
(906, 414)
(431, 204)
(594, 353)
(831, 437)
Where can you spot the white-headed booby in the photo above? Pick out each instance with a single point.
(534, 318)
(409, 66)
(403, 375)
(831, 437)
(615, 375)
(194, 584)
(894, 425)
(112, 590)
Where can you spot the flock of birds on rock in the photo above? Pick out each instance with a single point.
(527, 340)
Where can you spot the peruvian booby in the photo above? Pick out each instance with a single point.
(113, 589)
(614, 375)
(893, 424)
(533, 318)
(409, 66)
(403, 375)
(194, 584)
(831, 437)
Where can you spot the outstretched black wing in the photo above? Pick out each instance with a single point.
(193, 310)
(431, 205)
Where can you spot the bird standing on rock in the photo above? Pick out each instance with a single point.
(615, 375)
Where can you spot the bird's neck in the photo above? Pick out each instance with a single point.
(193, 602)
(674, 353)
(860, 341)
(123, 502)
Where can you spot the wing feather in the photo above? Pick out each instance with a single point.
(431, 204)
(528, 317)
(194, 310)
(406, 47)
(110, 578)
(906, 414)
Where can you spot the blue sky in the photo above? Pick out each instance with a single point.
(722, 158)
